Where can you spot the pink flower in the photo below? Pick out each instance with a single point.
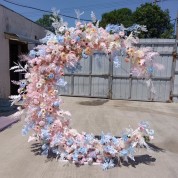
(89, 25)
(60, 47)
(121, 33)
(78, 32)
(78, 24)
(39, 61)
(73, 42)
(41, 123)
(48, 50)
(36, 102)
(50, 109)
(68, 47)
(48, 58)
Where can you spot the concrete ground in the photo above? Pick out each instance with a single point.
(19, 159)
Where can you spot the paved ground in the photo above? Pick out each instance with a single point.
(19, 159)
(5, 107)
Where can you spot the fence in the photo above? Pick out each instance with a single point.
(98, 77)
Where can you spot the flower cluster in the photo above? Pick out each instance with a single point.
(42, 103)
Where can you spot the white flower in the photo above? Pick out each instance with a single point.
(38, 85)
(61, 29)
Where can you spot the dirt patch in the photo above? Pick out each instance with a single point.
(93, 103)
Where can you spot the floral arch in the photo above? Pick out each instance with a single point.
(41, 101)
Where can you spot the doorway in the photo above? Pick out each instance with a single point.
(16, 49)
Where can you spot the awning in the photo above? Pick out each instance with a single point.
(20, 38)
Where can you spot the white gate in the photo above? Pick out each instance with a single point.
(99, 78)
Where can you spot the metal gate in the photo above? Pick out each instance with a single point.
(99, 78)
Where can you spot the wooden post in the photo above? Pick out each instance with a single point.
(177, 27)
(110, 77)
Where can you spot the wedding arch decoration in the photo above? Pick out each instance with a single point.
(43, 76)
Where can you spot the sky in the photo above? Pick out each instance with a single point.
(99, 7)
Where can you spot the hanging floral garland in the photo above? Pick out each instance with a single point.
(43, 76)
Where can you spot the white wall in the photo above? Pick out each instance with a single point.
(13, 23)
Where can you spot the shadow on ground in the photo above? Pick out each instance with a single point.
(141, 159)
(93, 103)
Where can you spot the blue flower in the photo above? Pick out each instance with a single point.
(23, 84)
(108, 164)
(63, 155)
(75, 156)
(150, 132)
(44, 147)
(123, 51)
(84, 55)
(69, 142)
(60, 39)
(125, 137)
(89, 138)
(45, 152)
(46, 38)
(51, 76)
(57, 139)
(123, 153)
(116, 62)
(32, 54)
(45, 134)
(131, 152)
(27, 128)
(75, 68)
(110, 149)
(105, 138)
(150, 70)
(82, 150)
(49, 119)
(41, 52)
(56, 151)
(144, 125)
(115, 140)
(24, 131)
(61, 82)
(114, 28)
(56, 104)
(136, 27)
(77, 38)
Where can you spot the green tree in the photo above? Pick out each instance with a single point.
(157, 21)
(120, 16)
(45, 21)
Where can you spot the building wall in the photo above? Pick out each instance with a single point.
(13, 22)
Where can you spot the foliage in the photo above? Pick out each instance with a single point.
(157, 20)
(45, 21)
(120, 16)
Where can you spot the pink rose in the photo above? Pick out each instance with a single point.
(73, 42)
(48, 58)
(35, 101)
(60, 47)
(78, 32)
(78, 24)
(121, 33)
(41, 123)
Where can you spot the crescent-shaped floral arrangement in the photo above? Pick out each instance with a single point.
(43, 76)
